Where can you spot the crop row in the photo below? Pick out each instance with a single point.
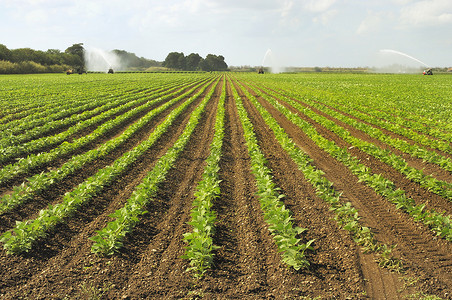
(27, 114)
(439, 223)
(200, 239)
(402, 145)
(54, 94)
(276, 214)
(400, 125)
(54, 112)
(397, 123)
(110, 238)
(42, 181)
(35, 160)
(429, 182)
(410, 97)
(35, 145)
(25, 233)
(346, 215)
(67, 117)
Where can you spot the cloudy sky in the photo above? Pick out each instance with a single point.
(336, 33)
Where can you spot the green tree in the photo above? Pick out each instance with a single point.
(192, 62)
(54, 57)
(214, 63)
(181, 62)
(22, 54)
(78, 51)
(5, 53)
(175, 60)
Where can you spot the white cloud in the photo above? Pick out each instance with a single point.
(372, 23)
(326, 17)
(427, 13)
(37, 16)
(318, 5)
(286, 8)
(402, 2)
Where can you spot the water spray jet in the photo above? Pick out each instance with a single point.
(399, 65)
(98, 60)
(270, 61)
(405, 55)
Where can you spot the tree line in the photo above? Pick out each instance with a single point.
(194, 62)
(26, 61)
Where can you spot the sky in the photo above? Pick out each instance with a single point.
(303, 33)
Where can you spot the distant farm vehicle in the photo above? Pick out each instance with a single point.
(78, 70)
(428, 72)
(261, 71)
(110, 71)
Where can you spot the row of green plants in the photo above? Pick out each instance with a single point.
(59, 108)
(439, 223)
(199, 250)
(32, 96)
(277, 216)
(401, 122)
(130, 102)
(36, 160)
(429, 182)
(412, 97)
(110, 239)
(345, 214)
(401, 126)
(22, 237)
(400, 144)
(28, 130)
(42, 181)
(13, 151)
(27, 114)
(28, 119)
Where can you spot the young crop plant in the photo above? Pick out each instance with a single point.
(42, 181)
(276, 214)
(109, 240)
(34, 128)
(200, 242)
(23, 132)
(398, 123)
(8, 153)
(437, 222)
(345, 214)
(21, 238)
(439, 187)
(402, 145)
(36, 160)
(332, 104)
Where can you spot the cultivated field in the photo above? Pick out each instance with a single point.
(225, 186)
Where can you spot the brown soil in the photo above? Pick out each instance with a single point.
(247, 265)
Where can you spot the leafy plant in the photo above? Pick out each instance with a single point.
(110, 239)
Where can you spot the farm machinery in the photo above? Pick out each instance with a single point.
(79, 70)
